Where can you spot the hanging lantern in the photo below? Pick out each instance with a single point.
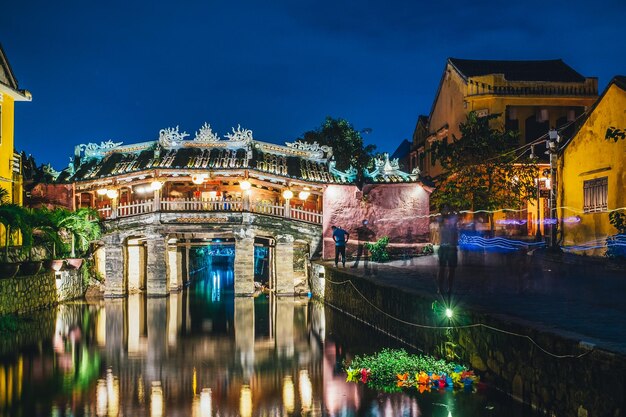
(102, 191)
(304, 194)
(245, 185)
(156, 185)
(112, 194)
(287, 194)
(198, 178)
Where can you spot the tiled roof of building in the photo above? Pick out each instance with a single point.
(554, 70)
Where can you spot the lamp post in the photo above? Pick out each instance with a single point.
(552, 145)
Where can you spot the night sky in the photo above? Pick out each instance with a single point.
(102, 70)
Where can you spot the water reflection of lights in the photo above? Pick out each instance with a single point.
(206, 403)
(141, 394)
(288, 395)
(306, 390)
(156, 400)
(245, 401)
(101, 398)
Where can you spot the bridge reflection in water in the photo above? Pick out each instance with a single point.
(196, 353)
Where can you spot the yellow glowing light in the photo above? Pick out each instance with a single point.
(287, 194)
(303, 195)
(101, 398)
(245, 401)
(206, 403)
(156, 400)
(112, 194)
(288, 395)
(156, 185)
(198, 178)
(102, 191)
(306, 390)
(245, 185)
(449, 313)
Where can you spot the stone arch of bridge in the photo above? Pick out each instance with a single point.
(151, 254)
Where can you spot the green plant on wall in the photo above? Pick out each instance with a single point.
(378, 250)
(616, 244)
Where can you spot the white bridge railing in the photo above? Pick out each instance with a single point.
(199, 205)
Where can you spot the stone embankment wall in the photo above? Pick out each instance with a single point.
(30, 293)
(589, 386)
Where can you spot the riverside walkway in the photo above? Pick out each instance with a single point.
(578, 299)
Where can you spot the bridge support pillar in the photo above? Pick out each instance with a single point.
(136, 265)
(284, 264)
(175, 267)
(114, 267)
(244, 263)
(156, 266)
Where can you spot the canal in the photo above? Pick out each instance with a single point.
(204, 352)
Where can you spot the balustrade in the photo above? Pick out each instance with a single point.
(196, 205)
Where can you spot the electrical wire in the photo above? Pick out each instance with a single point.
(467, 326)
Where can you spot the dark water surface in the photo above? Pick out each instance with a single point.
(204, 352)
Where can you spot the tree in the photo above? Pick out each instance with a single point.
(12, 218)
(482, 172)
(80, 226)
(347, 143)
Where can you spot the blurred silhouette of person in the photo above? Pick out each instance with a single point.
(449, 237)
(364, 235)
(340, 237)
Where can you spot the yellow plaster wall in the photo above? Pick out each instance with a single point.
(588, 156)
(6, 145)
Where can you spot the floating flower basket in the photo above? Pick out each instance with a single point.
(393, 370)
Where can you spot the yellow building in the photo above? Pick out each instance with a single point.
(10, 177)
(10, 163)
(530, 96)
(592, 169)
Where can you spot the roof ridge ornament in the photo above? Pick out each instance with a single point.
(171, 138)
(240, 135)
(319, 151)
(387, 169)
(93, 150)
(206, 134)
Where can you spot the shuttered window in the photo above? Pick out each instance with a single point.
(596, 195)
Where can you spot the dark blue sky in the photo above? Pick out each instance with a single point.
(122, 70)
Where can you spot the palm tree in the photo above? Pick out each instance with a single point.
(82, 225)
(12, 218)
(40, 224)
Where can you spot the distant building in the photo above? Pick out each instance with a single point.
(402, 154)
(530, 96)
(10, 163)
(592, 173)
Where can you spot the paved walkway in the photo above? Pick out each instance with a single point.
(584, 301)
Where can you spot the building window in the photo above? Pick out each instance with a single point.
(595, 192)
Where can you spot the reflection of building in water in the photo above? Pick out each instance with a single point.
(247, 367)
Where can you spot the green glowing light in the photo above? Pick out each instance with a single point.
(449, 313)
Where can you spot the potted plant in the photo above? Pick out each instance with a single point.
(81, 227)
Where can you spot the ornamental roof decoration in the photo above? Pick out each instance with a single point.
(240, 135)
(47, 169)
(93, 150)
(171, 137)
(386, 170)
(317, 151)
(348, 176)
(206, 134)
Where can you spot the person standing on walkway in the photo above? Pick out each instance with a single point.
(449, 237)
(340, 237)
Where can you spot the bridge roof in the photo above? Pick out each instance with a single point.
(298, 160)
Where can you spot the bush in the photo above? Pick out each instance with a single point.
(428, 249)
(616, 244)
(378, 251)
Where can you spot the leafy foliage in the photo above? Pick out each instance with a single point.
(482, 172)
(378, 250)
(616, 244)
(347, 143)
(387, 364)
(428, 249)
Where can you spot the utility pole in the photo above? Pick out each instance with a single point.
(552, 145)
